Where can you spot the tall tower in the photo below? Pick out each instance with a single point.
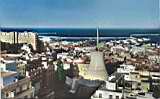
(97, 37)
(96, 69)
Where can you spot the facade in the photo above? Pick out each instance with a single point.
(19, 38)
(111, 89)
(7, 78)
(13, 88)
(21, 68)
(139, 81)
(34, 71)
(41, 76)
(107, 94)
(8, 65)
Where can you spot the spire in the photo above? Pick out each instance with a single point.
(97, 37)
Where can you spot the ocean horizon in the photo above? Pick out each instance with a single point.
(84, 32)
(90, 33)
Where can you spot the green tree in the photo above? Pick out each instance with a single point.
(60, 70)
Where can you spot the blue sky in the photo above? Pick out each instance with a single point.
(80, 13)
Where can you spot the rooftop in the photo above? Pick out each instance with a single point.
(7, 73)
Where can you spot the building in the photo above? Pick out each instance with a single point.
(107, 94)
(20, 38)
(21, 68)
(13, 88)
(7, 78)
(40, 71)
(96, 69)
(8, 65)
(111, 89)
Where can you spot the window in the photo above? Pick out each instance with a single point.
(1, 69)
(24, 87)
(110, 96)
(25, 97)
(117, 97)
(7, 95)
(17, 90)
(28, 86)
(100, 95)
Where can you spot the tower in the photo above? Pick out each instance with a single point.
(96, 69)
(97, 37)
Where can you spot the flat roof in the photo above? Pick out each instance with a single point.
(7, 61)
(7, 73)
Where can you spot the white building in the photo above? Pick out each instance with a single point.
(7, 78)
(8, 65)
(126, 68)
(106, 94)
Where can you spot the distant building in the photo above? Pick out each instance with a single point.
(19, 38)
(8, 65)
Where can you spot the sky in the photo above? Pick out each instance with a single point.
(80, 13)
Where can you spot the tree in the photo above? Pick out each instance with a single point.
(60, 70)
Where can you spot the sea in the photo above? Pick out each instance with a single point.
(90, 33)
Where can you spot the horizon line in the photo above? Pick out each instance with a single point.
(77, 27)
